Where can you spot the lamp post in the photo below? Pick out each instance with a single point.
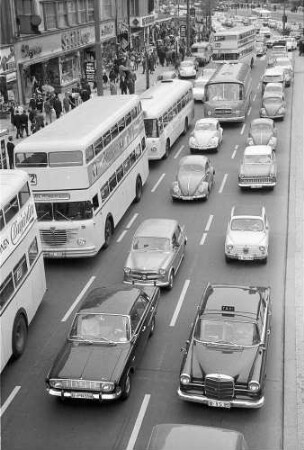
(188, 27)
(98, 53)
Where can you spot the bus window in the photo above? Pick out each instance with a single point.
(31, 159)
(132, 158)
(89, 153)
(24, 195)
(105, 191)
(98, 146)
(112, 182)
(63, 159)
(1, 220)
(121, 125)
(11, 209)
(119, 173)
(143, 143)
(6, 290)
(95, 202)
(20, 270)
(165, 119)
(151, 127)
(33, 251)
(128, 119)
(138, 151)
(72, 211)
(114, 131)
(44, 211)
(107, 139)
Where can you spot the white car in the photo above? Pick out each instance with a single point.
(247, 236)
(258, 168)
(187, 69)
(291, 43)
(200, 83)
(288, 69)
(207, 135)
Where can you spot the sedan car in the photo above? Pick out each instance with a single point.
(262, 132)
(187, 69)
(108, 335)
(194, 179)
(273, 106)
(167, 75)
(288, 69)
(247, 235)
(157, 251)
(258, 168)
(207, 135)
(225, 356)
(261, 48)
(273, 75)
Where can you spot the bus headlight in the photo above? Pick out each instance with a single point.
(254, 386)
(81, 242)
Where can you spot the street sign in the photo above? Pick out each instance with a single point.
(183, 30)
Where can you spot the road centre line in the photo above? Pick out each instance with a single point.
(9, 400)
(132, 221)
(223, 183)
(234, 152)
(202, 241)
(138, 422)
(243, 129)
(158, 182)
(79, 297)
(254, 97)
(178, 152)
(209, 222)
(179, 303)
(122, 236)
(249, 111)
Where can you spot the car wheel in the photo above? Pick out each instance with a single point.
(167, 149)
(227, 259)
(152, 328)
(107, 233)
(126, 389)
(186, 126)
(19, 336)
(264, 261)
(138, 190)
(171, 280)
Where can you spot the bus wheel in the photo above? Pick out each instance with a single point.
(138, 190)
(19, 336)
(167, 149)
(108, 233)
(186, 126)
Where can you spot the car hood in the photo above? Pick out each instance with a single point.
(142, 261)
(255, 169)
(271, 107)
(261, 138)
(90, 361)
(188, 183)
(203, 137)
(246, 237)
(234, 362)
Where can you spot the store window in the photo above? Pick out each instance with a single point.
(62, 14)
(50, 22)
(69, 70)
(72, 12)
(106, 9)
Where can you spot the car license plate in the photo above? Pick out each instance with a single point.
(87, 395)
(219, 404)
(256, 186)
(246, 257)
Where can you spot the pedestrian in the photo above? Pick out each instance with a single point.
(84, 94)
(66, 103)
(72, 99)
(112, 76)
(24, 123)
(57, 105)
(113, 88)
(39, 103)
(105, 78)
(144, 64)
(32, 119)
(137, 60)
(10, 151)
(123, 85)
(130, 84)
(17, 124)
(48, 111)
(39, 123)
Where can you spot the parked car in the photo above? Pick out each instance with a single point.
(200, 83)
(167, 75)
(263, 132)
(247, 235)
(273, 106)
(286, 64)
(206, 135)
(258, 168)
(224, 359)
(194, 179)
(170, 436)
(108, 335)
(291, 43)
(187, 69)
(157, 251)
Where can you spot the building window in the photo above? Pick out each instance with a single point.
(72, 12)
(82, 11)
(50, 21)
(25, 9)
(106, 9)
(90, 10)
(62, 14)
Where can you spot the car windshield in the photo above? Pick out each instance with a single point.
(272, 99)
(205, 126)
(186, 64)
(273, 79)
(189, 168)
(199, 84)
(273, 89)
(261, 128)
(227, 332)
(100, 327)
(224, 91)
(257, 159)
(247, 224)
(153, 243)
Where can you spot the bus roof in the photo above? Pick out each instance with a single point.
(234, 31)
(11, 181)
(230, 73)
(163, 94)
(81, 125)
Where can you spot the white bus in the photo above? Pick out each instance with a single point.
(168, 109)
(4, 161)
(86, 168)
(22, 284)
(235, 45)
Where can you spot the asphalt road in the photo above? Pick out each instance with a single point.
(33, 420)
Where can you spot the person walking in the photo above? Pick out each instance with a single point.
(24, 119)
(17, 124)
(32, 119)
(123, 85)
(57, 105)
(48, 111)
(113, 88)
(10, 151)
(39, 120)
(66, 103)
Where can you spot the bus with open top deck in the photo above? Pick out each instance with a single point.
(86, 169)
(168, 108)
(228, 93)
(22, 283)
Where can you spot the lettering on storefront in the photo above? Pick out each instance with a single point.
(75, 38)
(147, 20)
(30, 52)
(20, 225)
(107, 29)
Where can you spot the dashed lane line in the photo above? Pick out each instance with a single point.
(158, 182)
(78, 299)
(122, 235)
(179, 303)
(243, 129)
(234, 151)
(138, 422)
(223, 183)
(9, 400)
(209, 222)
(179, 152)
(202, 241)
(132, 221)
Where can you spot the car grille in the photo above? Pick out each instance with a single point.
(142, 275)
(220, 387)
(81, 384)
(257, 180)
(56, 237)
(221, 111)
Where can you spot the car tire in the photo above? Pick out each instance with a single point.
(152, 328)
(167, 151)
(264, 261)
(138, 189)
(171, 280)
(19, 335)
(108, 231)
(126, 388)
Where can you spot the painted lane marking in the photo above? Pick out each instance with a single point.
(158, 182)
(178, 152)
(254, 97)
(122, 236)
(259, 85)
(234, 152)
(9, 400)
(209, 222)
(223, 183)
(132, 221)
(243, 129)
(179, 303)
(138, 422)
(249, 111)
(71, 309)
(202, 241)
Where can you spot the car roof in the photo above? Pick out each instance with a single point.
(262, 120)
(258, 150)
(247, 210)
(193, 159)
(194, 437)
(207, 120)
(273, 94)
(273, 71)
(116, 299)
(156, 227)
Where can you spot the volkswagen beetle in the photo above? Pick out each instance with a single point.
(207, 135)
(262, 132)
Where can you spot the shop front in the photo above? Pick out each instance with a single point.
(141, 31)
(57, 62)
(8, 80)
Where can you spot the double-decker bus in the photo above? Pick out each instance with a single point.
(86, 168)
(168, 108)
(228, 93)
(22, 283)
(235, 45)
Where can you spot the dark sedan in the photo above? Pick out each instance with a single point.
(225, 356)
(108, 336)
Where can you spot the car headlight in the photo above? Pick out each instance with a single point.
(202, 187)
(263, 111)
(229, 247)
(237, 112)
(254, 386)
(250, 141)
(272, 141)
(153, 148)
(175, 188)
(81, 242)
(107, 387)
(262, 248)
(209, 113)
(213, 141)
(57, 384)
(281, 110)
(162, 272)
(127, 270)
(185, 379)
(192, 140)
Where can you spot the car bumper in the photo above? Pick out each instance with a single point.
(235, 403)
(83, 252)
(159, 283)
(189, 197)
(197, 147)
(272, 116)
(246, 257)
(230, 119)
(262, 185)
(83, 395)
